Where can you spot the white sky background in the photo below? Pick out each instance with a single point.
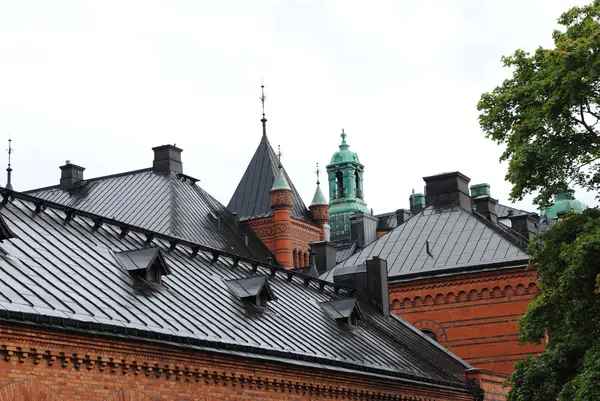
(100, 83)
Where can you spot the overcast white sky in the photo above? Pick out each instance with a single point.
(102, 82)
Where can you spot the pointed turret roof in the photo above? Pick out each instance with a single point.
(251, 197)
(280, 182)
(319, 198)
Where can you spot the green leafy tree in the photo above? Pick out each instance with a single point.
(566, 312)
(547, 113)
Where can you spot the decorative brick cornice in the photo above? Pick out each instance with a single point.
(61, 353)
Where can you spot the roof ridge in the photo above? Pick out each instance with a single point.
(143, 170)
(508, 234)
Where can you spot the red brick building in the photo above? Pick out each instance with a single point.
(94, 308)
(457, 273)
(285, 228)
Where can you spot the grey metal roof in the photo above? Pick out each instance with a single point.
(168, 203)
(251, 197)
(344, 252)
(66, 271)
(457, 239)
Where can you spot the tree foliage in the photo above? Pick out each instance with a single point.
(547, 113)
(566, 312)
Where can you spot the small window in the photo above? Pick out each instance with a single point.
(430, 334)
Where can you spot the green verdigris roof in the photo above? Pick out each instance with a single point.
(280, 181)
(344, 155)
(564, 202)
(319, 198)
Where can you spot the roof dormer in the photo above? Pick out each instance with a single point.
(343, 311)
(255, 290)
(147, 263)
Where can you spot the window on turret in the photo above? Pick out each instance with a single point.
(357, 185)
(339, 179)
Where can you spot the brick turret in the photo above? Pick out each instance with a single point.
(281, 203)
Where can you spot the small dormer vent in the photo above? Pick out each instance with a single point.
(343, 310)
(147, 263)
(255, 290)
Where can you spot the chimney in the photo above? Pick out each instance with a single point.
(401, 216)
(324, 255)
(71, 175)
(370, 281)
(377, 284)
(447, 189)
(167, 158)
(486, 206)
(417, 203)
(525, 224)
(363, 229)
(479, 190)
(326, 232)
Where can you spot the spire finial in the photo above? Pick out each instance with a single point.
(262, 101)
(318, 172)
(279, 154)
(9, 169)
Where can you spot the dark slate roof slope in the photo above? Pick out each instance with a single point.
(168, 203)
(457, 239)
(251, 197)
(68, 270)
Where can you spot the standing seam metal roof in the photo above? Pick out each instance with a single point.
(168, 203)
(68, 270)
(251, 198)
(457, 239)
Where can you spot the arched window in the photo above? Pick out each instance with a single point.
(357, 185)
(306, 261)
(295, 253)
(430, 334)
(339, 179)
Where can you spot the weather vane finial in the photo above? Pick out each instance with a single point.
(9, 169)
(318, 172)
(279, 154)
(262, 101)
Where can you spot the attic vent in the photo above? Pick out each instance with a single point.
(255, 290)
(343, 310)
(147, 263)
(5, 231)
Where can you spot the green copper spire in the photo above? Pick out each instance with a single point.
(344, 154)
(280, 181)
(564, 201)
(345, 174)
(319, 198)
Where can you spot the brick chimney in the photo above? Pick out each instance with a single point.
(167, 158)
(447, 189)
(71, 175)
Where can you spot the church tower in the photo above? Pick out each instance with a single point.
(346, 195)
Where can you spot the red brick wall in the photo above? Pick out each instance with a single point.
(302, 234)
(45, 365)
(473, 315)
(491, 383)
